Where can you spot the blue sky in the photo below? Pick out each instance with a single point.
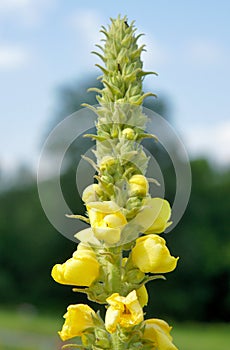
(46, 43)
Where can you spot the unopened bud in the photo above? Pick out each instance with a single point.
(135, 276)
(138, 185)
(102, 339)
(128, 133)
(90, 193)
(109, 165)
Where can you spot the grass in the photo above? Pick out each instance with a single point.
(202, 336)
(30, 322)
(30, 331)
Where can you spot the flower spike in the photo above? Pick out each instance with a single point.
(120, 213)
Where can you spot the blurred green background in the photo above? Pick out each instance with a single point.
(45, 70)
(197, 291)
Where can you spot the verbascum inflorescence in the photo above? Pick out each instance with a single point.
(121, 214)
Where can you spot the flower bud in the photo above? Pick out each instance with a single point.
(138, 186)
(128, 133)
(107, 180)
(107, 163)
(102, 339)
(90, 193)
(135, 275)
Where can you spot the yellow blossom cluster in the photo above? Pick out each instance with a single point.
(123, 311)
(149, 254)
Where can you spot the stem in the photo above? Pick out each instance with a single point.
(114, 270)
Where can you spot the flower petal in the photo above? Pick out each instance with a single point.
(150, 254)
(112, 319)
(158, 331)
(87, 236)
(154, 216)
(77, 319)
(108, 235)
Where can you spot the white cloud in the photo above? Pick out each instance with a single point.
(28, 12)
(155, 55)
(88, 25)
(9, 5)
(12, 57)
(211, 140)
(204, 52)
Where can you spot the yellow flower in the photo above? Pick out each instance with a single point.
(158, 332)
(106, 220)
(138, 185)
(125, 311)
(80, 270)
(78, 319)
(150, 254)
(154, 216)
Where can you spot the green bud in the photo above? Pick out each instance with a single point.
(88, 339)
(108, 165)
(135, 276)
(134, 203)
(107, 179)
(102, 339)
